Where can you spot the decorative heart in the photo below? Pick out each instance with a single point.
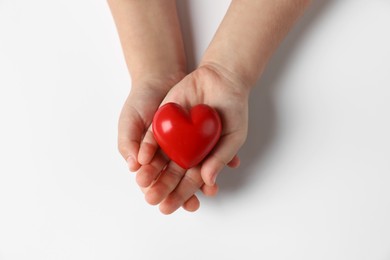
(186, 137)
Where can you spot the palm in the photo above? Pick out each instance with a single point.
(136, 116)
(175, 185)
(205, 86)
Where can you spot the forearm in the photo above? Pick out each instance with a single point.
(151, 39)
(250, 33)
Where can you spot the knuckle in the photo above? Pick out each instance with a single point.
(174, 171)
(196, 182)
(220, 161)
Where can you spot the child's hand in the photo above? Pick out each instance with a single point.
(220, 89)
(136, 116)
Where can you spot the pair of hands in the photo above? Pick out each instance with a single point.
(163, 181)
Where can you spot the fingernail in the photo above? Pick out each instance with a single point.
(131, 162)
(213, 179)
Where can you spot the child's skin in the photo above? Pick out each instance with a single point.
(152, 43)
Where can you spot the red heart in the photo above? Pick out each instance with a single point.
(185, 137)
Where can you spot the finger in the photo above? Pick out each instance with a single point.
(223, 154)
(130, 131)
(148, 148)
(209, 191)
(235, 162)
(149, 172)
(187, 187)
(165, 184)
(192, 204)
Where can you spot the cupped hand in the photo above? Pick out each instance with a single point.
(135, 119)
(137, 114)
(168, 184)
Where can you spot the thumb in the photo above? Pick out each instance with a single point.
(223, 154)
(130, 130)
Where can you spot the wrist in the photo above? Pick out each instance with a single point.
(247, 66)
(158, 80)
(239, 80)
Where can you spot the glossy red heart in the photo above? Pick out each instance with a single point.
(186, 137)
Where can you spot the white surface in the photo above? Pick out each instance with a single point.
(316, 171)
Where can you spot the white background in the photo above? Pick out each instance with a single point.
(315, 177)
